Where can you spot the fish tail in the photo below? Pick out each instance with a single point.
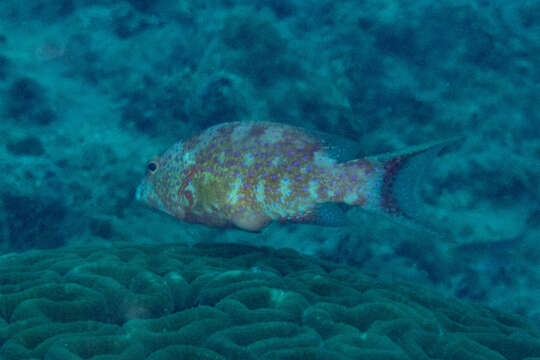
(391, 181)
(396, 190)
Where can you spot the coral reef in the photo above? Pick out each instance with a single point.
(91, 91)
(234, 302)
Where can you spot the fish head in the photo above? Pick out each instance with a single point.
(163, 181)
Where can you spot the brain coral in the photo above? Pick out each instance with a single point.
(233, 302)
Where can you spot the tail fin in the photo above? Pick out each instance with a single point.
(400, 174)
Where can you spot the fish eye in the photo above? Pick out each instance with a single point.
(152, 166)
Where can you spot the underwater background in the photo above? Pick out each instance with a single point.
(91, 93)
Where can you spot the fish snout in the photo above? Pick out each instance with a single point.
(145, 193)
(142, 190)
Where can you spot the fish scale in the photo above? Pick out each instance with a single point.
(250, 173)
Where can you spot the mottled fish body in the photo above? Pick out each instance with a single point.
(250, 173)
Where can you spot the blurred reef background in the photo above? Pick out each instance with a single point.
(90, 93)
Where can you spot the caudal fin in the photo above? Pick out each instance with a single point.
(400, 175)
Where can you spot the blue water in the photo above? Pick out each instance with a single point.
(91, 93)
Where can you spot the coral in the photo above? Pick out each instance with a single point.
(101, 228)
(281, 9)
(263, 49)
(128, 22)
(26, 102)
(219, 99)
(4, 64)
(30, 145)
(34, 222)
(233, 302)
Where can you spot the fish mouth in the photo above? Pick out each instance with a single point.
(146, 194)
(140, 193)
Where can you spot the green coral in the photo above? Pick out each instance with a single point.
(234, 302)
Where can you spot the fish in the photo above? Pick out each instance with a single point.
(248, 174)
